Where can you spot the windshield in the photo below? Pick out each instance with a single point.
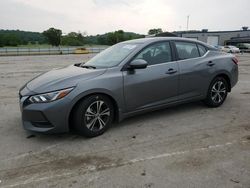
(112, 56)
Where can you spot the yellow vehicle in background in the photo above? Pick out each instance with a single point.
(81, 51)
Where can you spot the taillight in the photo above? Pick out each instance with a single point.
(235, 60)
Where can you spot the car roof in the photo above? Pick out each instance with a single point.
(158, 39)
(151, 39)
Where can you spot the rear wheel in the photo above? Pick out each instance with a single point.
(93, 115)
(217, 92)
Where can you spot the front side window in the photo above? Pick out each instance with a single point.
(187, 50)
(156, 53)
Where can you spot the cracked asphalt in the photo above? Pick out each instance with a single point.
(188, 145)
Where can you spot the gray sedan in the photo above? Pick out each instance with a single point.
(126, 79)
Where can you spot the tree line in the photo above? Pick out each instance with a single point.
(55, 37)
(16, 37)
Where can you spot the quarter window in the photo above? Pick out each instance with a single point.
(187, 50)
(156, 53)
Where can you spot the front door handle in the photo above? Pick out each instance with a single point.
(171, 71)
(210, 64)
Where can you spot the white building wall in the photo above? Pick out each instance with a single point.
(222, 36)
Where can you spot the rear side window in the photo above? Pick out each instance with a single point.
(202, 50)
(187, 50)
(156, 53)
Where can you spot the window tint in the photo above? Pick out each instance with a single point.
(202, 50)
(187, 50)
(156, 53)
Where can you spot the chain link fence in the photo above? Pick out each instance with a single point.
(48, 51)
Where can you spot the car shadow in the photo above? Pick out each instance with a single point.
(131, 121)
(158, 114)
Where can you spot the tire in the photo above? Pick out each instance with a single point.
(93, 115)
(217, 92)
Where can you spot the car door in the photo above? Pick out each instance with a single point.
(194, 69)
(157, 84)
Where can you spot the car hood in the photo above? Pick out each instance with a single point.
(57, 79)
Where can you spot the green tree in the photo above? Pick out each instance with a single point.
(1, 41)
(10, 40)
(111, 38)
(119, 36)
(155, 31)
(73, 39)
(23, 37)
(54, 36)
(115, 37)
(101, 39)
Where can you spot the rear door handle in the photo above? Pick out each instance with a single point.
(171, 71)
(210, 64)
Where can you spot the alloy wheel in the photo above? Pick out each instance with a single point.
(97, 115)
(218, 92)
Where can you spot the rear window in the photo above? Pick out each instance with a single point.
(187, 50)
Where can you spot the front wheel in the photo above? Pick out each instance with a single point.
(217, 92)
(93, 115)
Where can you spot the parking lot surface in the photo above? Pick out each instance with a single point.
(188, 145)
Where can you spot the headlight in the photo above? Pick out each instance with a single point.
(51, 96)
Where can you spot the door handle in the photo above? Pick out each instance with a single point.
(171, 71)
(210, 64)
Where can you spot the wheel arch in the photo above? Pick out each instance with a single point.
(226, 77)
(83, 96)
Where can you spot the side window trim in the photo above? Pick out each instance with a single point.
(197, 46)
(204, 48)
(174, 51)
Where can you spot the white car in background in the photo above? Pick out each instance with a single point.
(230, 49)
(219, 47)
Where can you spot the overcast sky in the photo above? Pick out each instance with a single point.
(100, 16)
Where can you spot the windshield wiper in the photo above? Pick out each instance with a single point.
(88, 66)
(85, 66)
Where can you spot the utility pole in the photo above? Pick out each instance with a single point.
(188, 21)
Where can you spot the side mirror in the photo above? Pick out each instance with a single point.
(138, 64)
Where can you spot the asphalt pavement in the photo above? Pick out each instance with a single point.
(188, 145)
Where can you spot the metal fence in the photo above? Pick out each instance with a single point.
(46, 51)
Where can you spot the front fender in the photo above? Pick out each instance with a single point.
(84, 94)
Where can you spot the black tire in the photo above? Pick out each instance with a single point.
(213, 99)
(87, 118)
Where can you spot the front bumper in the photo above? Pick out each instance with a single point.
(45, 117)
